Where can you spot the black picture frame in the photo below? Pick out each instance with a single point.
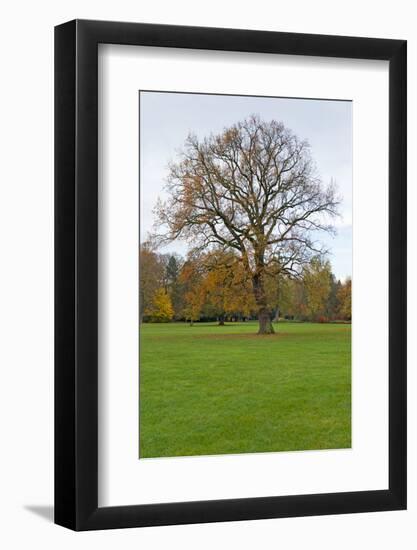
(76, 272)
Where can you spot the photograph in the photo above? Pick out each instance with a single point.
(245, 274)
(191, 193)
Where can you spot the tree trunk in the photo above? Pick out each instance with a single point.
(221, 320)
(264, 315)
(265, 324)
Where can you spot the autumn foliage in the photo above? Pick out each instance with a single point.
(160, 309)
(214, 286)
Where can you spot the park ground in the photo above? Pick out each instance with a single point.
(207, 390)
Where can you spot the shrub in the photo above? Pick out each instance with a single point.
(322, 319)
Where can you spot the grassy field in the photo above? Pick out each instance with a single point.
(213, 390)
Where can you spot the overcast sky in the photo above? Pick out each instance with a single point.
(167, 118)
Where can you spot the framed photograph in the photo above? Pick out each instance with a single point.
(230, 253)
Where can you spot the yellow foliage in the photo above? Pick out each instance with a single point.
(344, 296)
(317, 283)
(228, 289)
(161, 310)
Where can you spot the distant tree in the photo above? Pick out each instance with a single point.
(217, 284)
(191, 279)
(173, 285)
(227, 286)
(317, 283)
(333, 304)
(151, 275)
(345, 300)
(251, 190)
(172, 270)
(160, 310)
(281, 289)
(293, 299)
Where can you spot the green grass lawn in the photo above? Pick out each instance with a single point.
(212, 390)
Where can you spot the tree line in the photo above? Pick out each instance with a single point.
(214, 286)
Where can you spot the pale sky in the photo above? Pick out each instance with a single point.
(166, 119)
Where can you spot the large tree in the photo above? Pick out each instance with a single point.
(253, 190)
